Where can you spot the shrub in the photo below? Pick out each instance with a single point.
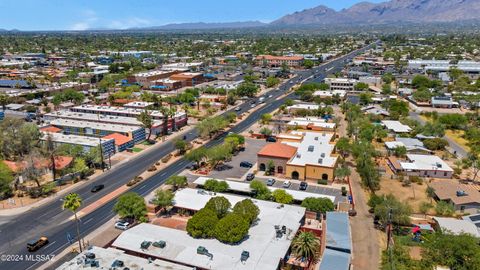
(322, 182)
(321, 205)
(232, 228)
(281, 196)
(344, 191)
(247, 209)
(202, 224)
(215, 186)
(219, 205)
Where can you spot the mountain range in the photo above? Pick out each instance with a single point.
(363, 13)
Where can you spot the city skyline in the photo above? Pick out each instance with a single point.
(86, 15)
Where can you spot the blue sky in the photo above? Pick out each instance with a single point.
(122, 14)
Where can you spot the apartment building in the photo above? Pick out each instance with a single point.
(344, 84)
(278, 61)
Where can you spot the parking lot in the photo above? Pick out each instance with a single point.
(311, 188)
(232, 169)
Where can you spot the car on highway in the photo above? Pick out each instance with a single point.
(252, 106)
(97, 188)
(269, 96)
(246, 164)
(270, 182)
(122, 225)
(303, 186)
(287, 184)
(37, 244)
(250, 176)
(237, 109)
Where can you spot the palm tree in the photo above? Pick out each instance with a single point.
(306, 245)
(72, 202)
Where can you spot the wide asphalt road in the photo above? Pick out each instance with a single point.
(51, 221)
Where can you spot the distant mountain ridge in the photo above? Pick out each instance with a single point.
(407, 11)
(202, 25)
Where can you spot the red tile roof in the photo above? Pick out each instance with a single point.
(51, 129)
(279, 58)
(278, 150)
(119, 138)
(61, 162)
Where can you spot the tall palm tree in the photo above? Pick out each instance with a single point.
(306, 245)
(72, 202)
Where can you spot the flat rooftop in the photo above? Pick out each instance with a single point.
(264, 247)
(75, 139)
(93, 125)
(117, 110)
(245, 187)
(314, 149)
(425, 163)
(107, 256)
(396, 126)
(92, 117)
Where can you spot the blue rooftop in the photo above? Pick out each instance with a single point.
(338, 232)
(14, 83)
(335, 260)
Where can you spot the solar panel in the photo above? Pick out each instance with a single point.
(474, 218)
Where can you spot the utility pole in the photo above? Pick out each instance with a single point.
(389, 238)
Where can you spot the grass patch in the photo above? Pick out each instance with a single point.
(457, 136)
(136, 149)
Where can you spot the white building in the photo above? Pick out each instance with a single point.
(396, 126)
(341, 83)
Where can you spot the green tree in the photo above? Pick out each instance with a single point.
(266, 118)
(197, 155)
(260, 190)
(73, 202)
(216, 186)
(147, 121)
(4, 101)
(400, 211)
(272, 81)
(306, 245)
(232, 228)
(265, 131)
(163, 198)
(343, 146)
(319, 205)
(6, 179)
(181, 146)
(202, 224)
(342, 172)
(247, 209)
(435, 144)
(444, 209)
(454, 251)
(361, 86)
(218, 154)
(281, 196)
(219, 205)
(400, 151)
(177, 181)
(131, 205)
(308, 64)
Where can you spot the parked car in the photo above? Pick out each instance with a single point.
(271, 139)
(246, 164)
(122, 225)
(37, 244)
(97, 188)
(303, 186)
(270, 182)
(286, 184)
(250, 176)
(237, 109)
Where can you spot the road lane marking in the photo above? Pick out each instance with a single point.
(50, 244)
(90, 219)
(142, 187)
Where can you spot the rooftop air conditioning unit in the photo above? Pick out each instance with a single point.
(320, 161)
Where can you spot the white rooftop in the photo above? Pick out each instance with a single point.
(92, 117)
(396, 126)
(327, 93)
(152, 73)
(314, 121)
(119, 110)
(60, 122)
(74, 139)
(304, 106)
(138, 104)
(107, 256)
(245, 187)
(425, 163)
(265, 249)
(457, 226)
(315, 149)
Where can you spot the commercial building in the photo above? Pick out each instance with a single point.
(139, 105)
(278, 61)
(301, 155)
(421, 165)
(101, 118)
(122, 142)
(443, 102)
(303, 106)
(329, 94)
(344, 84)
(110, 258)
(95, 129)
(265, 246)
(338, 242)
(87, 143)
(166, 84)
(180, 117)
(146, 78)
(311, 123)
(471, 67)
(188, 78)
(464, 198)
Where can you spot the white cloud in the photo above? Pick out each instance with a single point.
(89, 17)
(129, 23)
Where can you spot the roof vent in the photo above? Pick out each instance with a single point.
(310, 148)
(299, 155)
(322, 155)
(320, 161)
(316, 138)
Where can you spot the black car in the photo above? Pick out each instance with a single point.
(271, 139)
(97, 188)
(303, 186)
(246, 164)
(250, 176)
